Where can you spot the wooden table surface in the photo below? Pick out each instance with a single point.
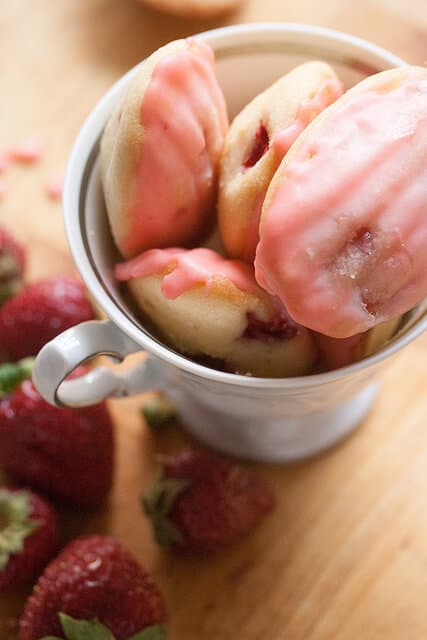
(344, 557)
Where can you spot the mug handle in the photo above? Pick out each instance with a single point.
(59, 357)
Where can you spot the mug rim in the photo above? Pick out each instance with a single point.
(79, 167)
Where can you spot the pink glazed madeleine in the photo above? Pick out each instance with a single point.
(259, 137)
(343, 234)
(160, 150)
(207, 305)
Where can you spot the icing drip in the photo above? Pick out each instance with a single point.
(184, 269)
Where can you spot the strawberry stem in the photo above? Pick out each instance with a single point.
(158, 503)
(158, 411)
(15, 523)
(12, 374)
(84, 629)
(10, 277)
(8, 289)
(156, 632)
(93, 630)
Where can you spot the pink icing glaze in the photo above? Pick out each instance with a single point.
(184, 117)
(344, 236)
(330, 91)
(184, 269)
(2, 189)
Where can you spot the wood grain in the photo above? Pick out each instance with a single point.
(344, 557)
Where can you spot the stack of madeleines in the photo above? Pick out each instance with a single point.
(319, 196)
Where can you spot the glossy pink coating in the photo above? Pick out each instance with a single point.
(184, 269)
(184, 117)
(343, 234)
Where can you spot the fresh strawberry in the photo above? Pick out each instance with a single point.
(12, 264)
(66, 453)
(40, 312)
(203, 502)
(28, 536)
(93, 578)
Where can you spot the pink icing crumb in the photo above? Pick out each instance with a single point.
(4, 161)
(54, 187)
(184, 269)
(29, 151)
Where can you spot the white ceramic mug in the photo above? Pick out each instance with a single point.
(256, 418)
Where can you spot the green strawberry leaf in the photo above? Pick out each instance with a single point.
(16, 525)
(9, 266)
(10, 276)
(162, 495)
(84, 629)
(158, 503)
(13, 373)
(94, 630)
(50, 638)
(158, 411)
(156, 632)
(8, 289)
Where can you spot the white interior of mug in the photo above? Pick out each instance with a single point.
(249, 58)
